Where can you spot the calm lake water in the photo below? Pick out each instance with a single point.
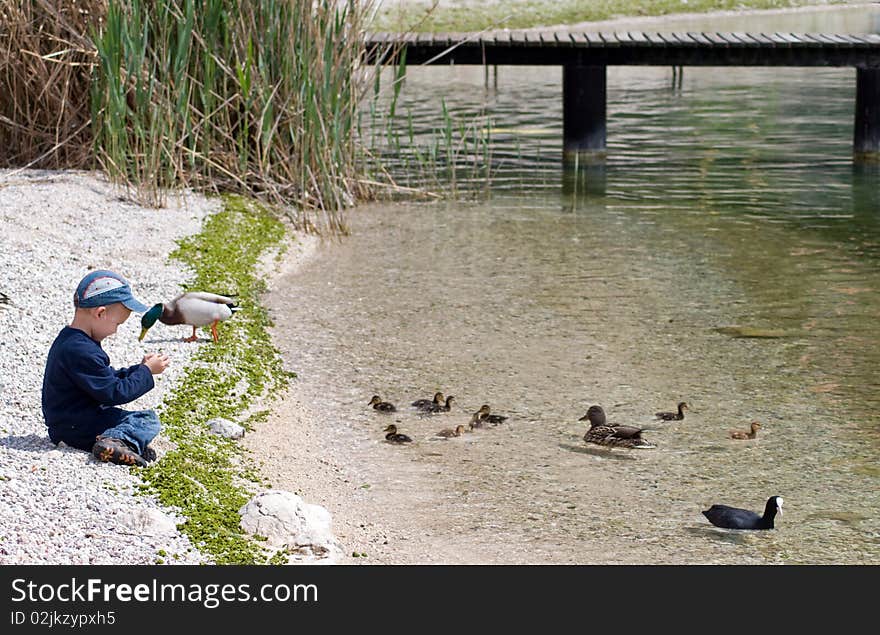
(729, 202)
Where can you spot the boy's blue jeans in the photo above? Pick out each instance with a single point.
(138, 427)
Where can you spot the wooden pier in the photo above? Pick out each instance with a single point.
(585, 56)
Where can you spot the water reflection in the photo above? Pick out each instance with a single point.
(865, 193)
(582, 183)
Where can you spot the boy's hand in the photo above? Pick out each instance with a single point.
(156, 362)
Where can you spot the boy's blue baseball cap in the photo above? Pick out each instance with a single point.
(102, 287)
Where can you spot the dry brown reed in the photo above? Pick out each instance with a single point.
(46, 59)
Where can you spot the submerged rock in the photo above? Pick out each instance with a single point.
(749, 331)
(846, 517)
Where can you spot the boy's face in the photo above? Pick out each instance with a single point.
(106, 319)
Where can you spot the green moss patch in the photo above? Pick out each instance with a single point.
(207, 477)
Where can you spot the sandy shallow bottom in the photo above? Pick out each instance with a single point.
(378, 517)
(296, 453)
(308, 465)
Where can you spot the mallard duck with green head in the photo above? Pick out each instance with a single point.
(196, 308)
(611, 435)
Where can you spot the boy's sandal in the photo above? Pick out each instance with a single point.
(114, 450)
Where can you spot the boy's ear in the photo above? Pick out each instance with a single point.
(100, 311)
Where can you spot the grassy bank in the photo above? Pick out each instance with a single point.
(207, 477)
(423, 16)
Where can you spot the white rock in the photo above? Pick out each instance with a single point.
(225, 428)
(286, 521)
(147, 522)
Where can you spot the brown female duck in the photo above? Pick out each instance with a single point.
(610, 435)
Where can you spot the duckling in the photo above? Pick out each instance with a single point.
(739, 434)
(611, 435)
(449, 432)
(485, 416)
(673, 416)
(394, 437)
(196, 308)
(735, 518)
(476, 422)
(439, 407)
(382, 406)
(423, 404)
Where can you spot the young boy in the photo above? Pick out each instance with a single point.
(80, 388)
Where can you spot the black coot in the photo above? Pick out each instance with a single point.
(735, 518)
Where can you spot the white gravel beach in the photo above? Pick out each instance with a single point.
(61, 505)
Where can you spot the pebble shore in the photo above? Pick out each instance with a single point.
(60, 505)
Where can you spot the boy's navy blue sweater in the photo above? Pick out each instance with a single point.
(80, 389)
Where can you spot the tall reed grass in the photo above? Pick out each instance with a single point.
(451, 158)
(255, 97)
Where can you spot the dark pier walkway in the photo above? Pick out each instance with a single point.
(584, 58)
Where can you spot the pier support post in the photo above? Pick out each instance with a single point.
(583, 114)
(866, 137)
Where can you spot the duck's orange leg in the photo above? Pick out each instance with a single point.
(191, 338)
(214, 331)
